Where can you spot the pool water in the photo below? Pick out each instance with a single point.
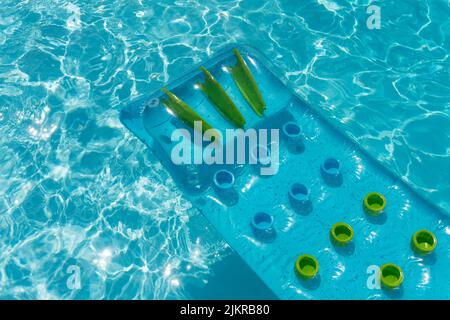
(86, 211)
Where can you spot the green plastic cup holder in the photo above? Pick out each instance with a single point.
(341, 233)
(424, 241)
(391, 275)
(306, 266)
(374, 203)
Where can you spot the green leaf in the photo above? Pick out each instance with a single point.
(220, 99)
(247, 84)
(182, 111)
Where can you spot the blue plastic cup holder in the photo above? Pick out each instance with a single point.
(299, 198)
(292, 130)
(298, 192)
(330, 170)
(293, 135)
(223, 182)
(262, 226)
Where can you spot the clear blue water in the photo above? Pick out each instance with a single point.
(79, 194)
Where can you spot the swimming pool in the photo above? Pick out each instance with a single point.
(87, 212)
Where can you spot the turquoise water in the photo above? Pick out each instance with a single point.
(81, 196)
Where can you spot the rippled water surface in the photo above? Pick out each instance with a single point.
(81, 197)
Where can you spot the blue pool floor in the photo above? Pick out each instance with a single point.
(345, 273)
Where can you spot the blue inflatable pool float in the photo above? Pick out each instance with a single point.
(324, 177)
